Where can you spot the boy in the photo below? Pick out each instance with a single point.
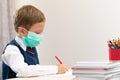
(20, 58)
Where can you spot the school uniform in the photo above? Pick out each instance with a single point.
(20, 61)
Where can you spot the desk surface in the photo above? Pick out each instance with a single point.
(47, 78)
(72, 77)
(67, 76)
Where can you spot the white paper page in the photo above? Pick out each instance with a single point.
(68, 73)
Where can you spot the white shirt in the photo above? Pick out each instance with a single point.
(15, 60)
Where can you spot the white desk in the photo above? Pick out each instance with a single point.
(72, 77)
(66, 76)
(47, 78)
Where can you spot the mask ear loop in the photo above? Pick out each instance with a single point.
(26, 30)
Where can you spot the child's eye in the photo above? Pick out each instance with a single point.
(37, 32)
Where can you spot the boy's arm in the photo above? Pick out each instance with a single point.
(14, 59)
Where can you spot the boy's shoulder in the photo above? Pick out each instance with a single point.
(11, 46)
(12, 42)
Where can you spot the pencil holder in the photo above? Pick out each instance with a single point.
(114, 54)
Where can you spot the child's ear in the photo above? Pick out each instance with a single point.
(21, 31)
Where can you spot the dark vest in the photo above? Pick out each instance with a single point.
(31, 58)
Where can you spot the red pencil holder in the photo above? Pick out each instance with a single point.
(114, 54)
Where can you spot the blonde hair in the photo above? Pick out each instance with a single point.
(27, 16)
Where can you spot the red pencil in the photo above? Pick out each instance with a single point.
(58, 60)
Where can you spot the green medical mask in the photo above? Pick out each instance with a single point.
(32, 39)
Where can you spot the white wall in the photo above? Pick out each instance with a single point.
(77, 30)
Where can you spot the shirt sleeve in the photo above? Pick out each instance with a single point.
(15, 60)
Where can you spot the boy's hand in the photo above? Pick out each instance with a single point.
(62, 68)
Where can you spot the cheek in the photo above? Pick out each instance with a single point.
(42, 28)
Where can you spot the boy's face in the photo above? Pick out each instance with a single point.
(36, 28)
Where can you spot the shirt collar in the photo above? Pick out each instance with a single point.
(20, 42)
